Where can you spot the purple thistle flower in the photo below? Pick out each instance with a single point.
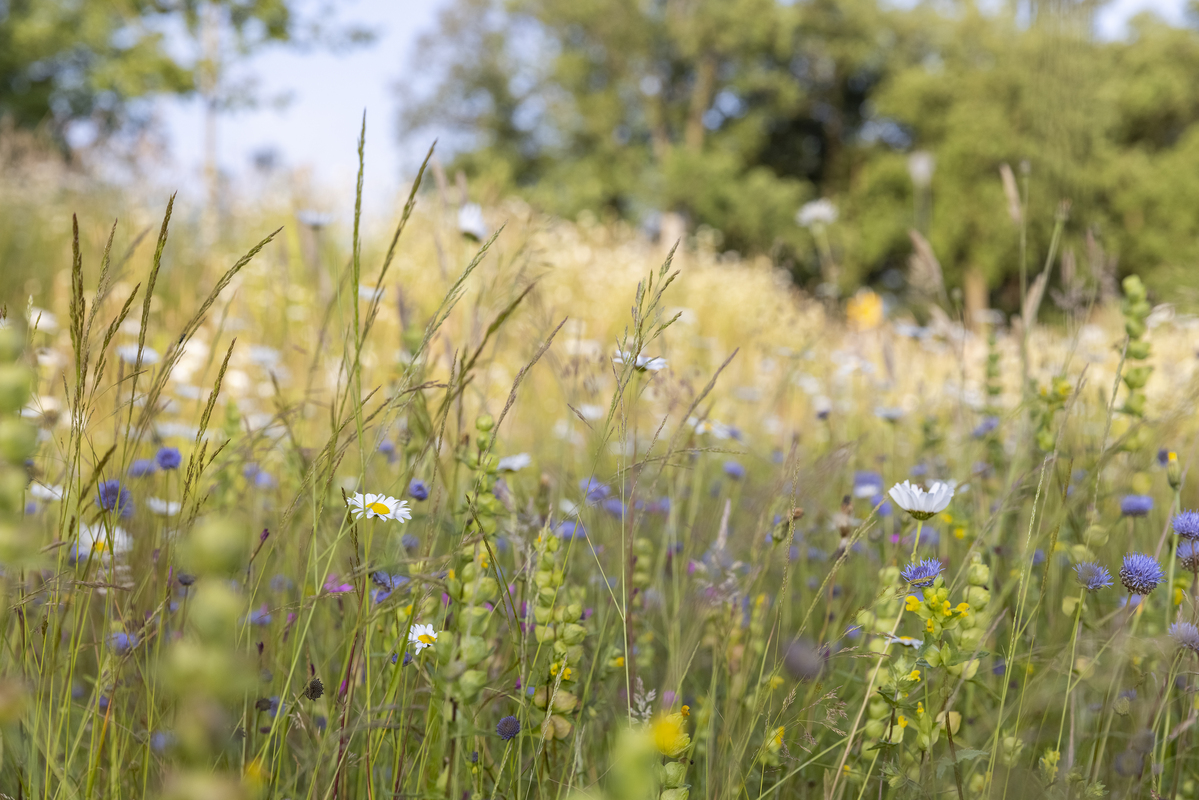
(507, 728)
(922, 573)
(1136, 505)
(142, 468)
(1092, 576)
(168, 458)
(1141, 573)
(1188, 555)
(1186, 524)
(112, 496)
(1186, 634)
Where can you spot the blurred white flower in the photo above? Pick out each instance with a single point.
(919, 503)
(42, 320)
(45, 491)
(128, 354)
(163, 508)
(817, 213)
(515, 463)
(717, 430)
(313, 219)
(471, 222)
(642, 362)
(369, 293)
(96, 537)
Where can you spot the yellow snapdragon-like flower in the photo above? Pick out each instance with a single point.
(669, 736)
(914, 675)
(912, 603)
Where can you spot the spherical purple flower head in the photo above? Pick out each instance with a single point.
(1186, 524)
(1092, 576)
(1136, 505)
(734, 470)
(264, 480)
(613, 506)
(508, 727)
(922, 573)
(1186, 634)
(122, 642)
(112, 496)
(418, 489)
(1188, 555)
(571, 530)
(168, 458)
(142, 468)
(594, 490)
(985, 427)
(1141, 573)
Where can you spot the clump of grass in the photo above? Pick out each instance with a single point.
(540, 529)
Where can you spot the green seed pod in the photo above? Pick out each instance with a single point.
(484, 423)
(572, 633)
(217, 547)
(673, 774)
(979, 574)
(474, 649)
(1133, 288)
(1134, 404)
(1138, 350)
(16, 384)
(1137, 377)
(214, 611)
(1135, 328)
(18, 440)
(471, 683)
(12, 489)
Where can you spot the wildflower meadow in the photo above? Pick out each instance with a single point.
(488, 504)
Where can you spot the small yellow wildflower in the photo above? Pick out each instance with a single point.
(912, 603)
(620, 661)
(920, 709)
(928, 625)
(914, 675)
(669, 736)
(963, 608)
(959, 532)
(685, 711)
(902, 721)
(450, 574)
(776, 681)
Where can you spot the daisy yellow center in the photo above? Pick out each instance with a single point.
(427, 638)
(378, 508)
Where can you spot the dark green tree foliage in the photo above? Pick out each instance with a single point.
(736, 111)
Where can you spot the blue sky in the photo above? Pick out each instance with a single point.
(318, 128)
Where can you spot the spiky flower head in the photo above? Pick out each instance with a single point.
(1092, 576)
(508, 727)
(1141, 573)
(1188, 555)
(1186, 524)
(1136, 505)
(919, 503)
(922, 573)
(1186, 634)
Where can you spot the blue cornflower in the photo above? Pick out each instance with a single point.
(1188, 555)
(883, 505)
(112, 496)
(918, 470)
(264, 480)
(122, 642)
(922, 573)
(570, 529)
(1163, 456)
(1092, 576)
(409, 541)
(613, 506)
(142, 467)
(985, 427)
(418, 489)
(1141, 573)
(867, 483)
(388, 449)
(1186, 524)
(261, 616)
(1186, 634)
(160, 741)
(734, 470)
(508, 727)
(168, 458)
(594, 490)
(1136, 505)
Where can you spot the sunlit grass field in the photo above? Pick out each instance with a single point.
(539, 512)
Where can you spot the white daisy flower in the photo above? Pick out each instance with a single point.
(817, 213)
(906, 641)
(163, 508)
(641, 362)
(471, 223)
(422, 636)
(47, 492)
(379, 506)
(919, 503)
(514, 463)
(95, 537)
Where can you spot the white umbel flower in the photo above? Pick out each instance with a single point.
(422, 636)
(379, 506)
(919, 503)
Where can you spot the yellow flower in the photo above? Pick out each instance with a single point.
(777, 741)
(928, 625)
(1177, 596)
(902, 721)
(963, 608)
(865, 310)
(620, 661)
(912, 603)
(1172, 458)
(914, 675)
(669, 736)
(945, 608)
(256, 773)
(920, 709)
(776, 681)
(685, 711)
(959, 532)
(450, 574)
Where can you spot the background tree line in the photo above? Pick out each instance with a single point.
(733, 113)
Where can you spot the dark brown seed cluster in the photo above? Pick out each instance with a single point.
(314, 689)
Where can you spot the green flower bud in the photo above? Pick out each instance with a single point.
(979, 574)
(217, 547)
(977, 597)
(1133, 288)
(543, 615)
(673, 774)
(1134, 404)
(12, 489)
(1137, 377)
(18, 440)
(214, 611)
(471, 682)
(474, 649)
(1138, 350)
(1135, 328)
(681, 793)
(484, 423)
(16, 384)
(572, 613)
(572, 633)
(544, 633)
(11, 344)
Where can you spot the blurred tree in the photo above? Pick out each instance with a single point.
(733, 112)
